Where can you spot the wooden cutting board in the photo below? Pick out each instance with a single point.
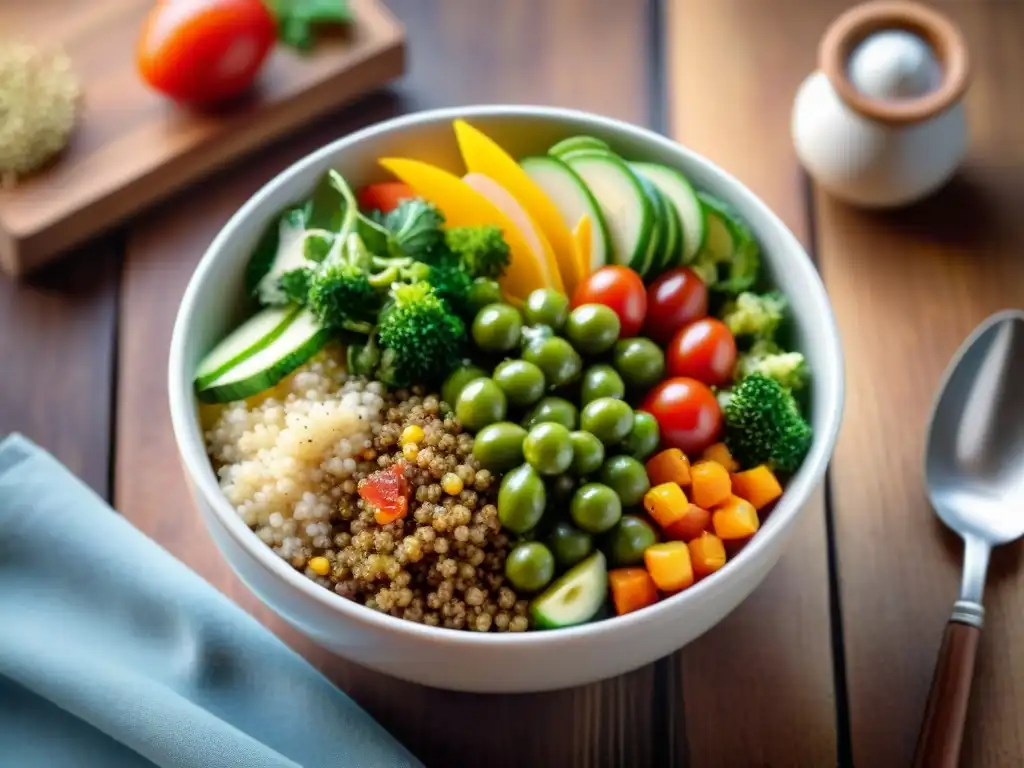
(133, 147)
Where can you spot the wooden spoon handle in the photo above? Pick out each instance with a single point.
(938, 744)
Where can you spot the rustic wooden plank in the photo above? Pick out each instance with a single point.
(907, 287)
(133, 148)
(57, 347)
(758, 688)
(461, 52)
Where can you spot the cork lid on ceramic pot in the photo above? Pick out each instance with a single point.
(895, 62)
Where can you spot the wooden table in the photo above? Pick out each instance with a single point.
(831, 659)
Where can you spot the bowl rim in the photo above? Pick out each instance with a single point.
(189, 438)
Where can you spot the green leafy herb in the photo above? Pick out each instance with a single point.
(297, 19)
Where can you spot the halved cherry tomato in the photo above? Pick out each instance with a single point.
(619, 288)
(387, 491)
(687, 413)
(704, 350)
(203, 51)
(674, 300)
(385, 196)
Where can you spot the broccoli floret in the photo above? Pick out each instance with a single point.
(482, 250)
(763, 424)
(453, 284)
(755, 314)
(766, 357)
(295, 285)
(413, 229)
(422, 339)
(340, 292)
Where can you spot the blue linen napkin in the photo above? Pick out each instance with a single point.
(113, 653)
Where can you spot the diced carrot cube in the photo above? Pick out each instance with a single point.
(666, 503)
(632, 589)
(710, 484)
(759, 486)
(720, 453)
(736, 519)
(707, 552)
(669, 466)
(691, 525)
(669, 565)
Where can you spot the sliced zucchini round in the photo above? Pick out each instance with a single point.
(677, 188)
(626, 209)
(574, 143)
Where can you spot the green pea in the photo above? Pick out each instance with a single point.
(499, 447)
(595, 508)
(556, 409)
(569, 544)
(535, 334)
(627, 477)
(521, 499)
(556, 358)
(530, 566)
(546, 307)
(482, 292)
(548, 448)
(640, 362)
(587, 453)
(561, 489)
(628, 540)
(458, 379)
(496, 328)
(593, 328)
(644, 438)
(610, 420)
(601, 381)
(522, 382)
(481, 402)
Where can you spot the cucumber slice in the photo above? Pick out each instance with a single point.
(675, 186)
(660, 234)
(573, 143)
(248, 338)
(300, 339)
(575, 597)
(729, 242)
(289, 257)
(627, 211)
(572, 198)
(667, 253)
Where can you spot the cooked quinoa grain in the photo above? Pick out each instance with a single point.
(291, 463)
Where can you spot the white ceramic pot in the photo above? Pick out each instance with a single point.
(881, 123)
(471, 661)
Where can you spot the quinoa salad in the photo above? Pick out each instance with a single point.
(504, 401)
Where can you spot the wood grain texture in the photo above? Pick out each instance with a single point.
(56, 360)
(133, 148)
(908, 287)
(581, 53)
(767, 668)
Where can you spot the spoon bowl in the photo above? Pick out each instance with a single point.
(974, 465)
(974, 471)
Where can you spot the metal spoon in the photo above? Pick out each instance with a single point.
(974, 470)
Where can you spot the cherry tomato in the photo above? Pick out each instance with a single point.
(385, 196)
(387, 491)
(687, 413)
(619, 288)
(675, 299)
(704, 350)
(204, 51)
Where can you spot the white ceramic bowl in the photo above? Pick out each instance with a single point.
(531, 661)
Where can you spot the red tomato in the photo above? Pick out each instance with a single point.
(675, 299)
(387, 491)
(619, 288)
(704, 350)
(203, 51)
(687, 413)
(385, 196)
